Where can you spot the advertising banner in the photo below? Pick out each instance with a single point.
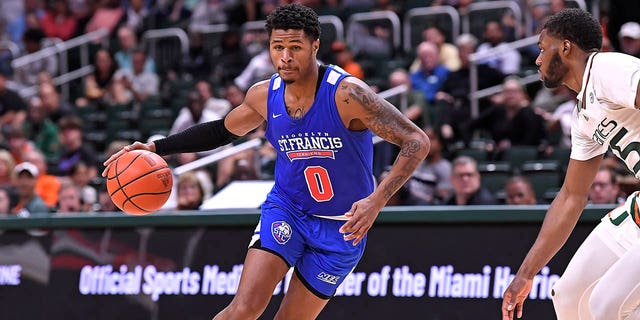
(409, 271)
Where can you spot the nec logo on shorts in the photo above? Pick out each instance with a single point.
(281, 231)
(328, 278)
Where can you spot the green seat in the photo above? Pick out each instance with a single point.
(94, 120)
(494, 175)
(97, 138)
(479, 155)
(518, 155)
(544, 175)
(152, 126)
(114, 126)
(562, 156)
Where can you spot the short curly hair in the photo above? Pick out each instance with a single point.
(296, 17)
(577, 26)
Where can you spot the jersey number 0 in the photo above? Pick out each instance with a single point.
(318, 183)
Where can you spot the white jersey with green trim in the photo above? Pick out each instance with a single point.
(606, 115)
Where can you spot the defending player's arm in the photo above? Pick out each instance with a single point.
(558, 224)
(209, 135)
(367, 110)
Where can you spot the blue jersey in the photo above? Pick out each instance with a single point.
(322, 167)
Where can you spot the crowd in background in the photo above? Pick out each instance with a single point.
(51, 152)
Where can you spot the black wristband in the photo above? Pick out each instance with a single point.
(200, 137)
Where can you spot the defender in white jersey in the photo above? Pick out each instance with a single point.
(602, 280)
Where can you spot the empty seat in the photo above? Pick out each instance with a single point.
(97, 138)
(543, 174)
(561, 155)
(494, 175)
(479, 155)
(152, 126)
(518, 155)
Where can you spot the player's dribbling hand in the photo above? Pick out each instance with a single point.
(135, 146)
(513, 299)
(361, 217)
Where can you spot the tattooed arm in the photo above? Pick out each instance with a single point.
(361, 108)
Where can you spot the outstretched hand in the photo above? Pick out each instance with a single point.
(361, 217)
(135, 146)
(513, 299)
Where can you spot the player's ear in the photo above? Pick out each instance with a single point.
(566, 46)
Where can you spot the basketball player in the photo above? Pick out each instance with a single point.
(315, 219)
(602, 280)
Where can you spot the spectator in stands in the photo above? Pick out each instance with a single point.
(240, 166)
(7, 163)
(507, 62)
(193, 113)
(557, 6)
(605, 188)
(13, 110)
(402, 196)
(344, 59)
(170, 12)
(232, 60)
(371, 42)
(106, 16)
(431, 181)
(539, 12)
(387, 5)
(115, 146)
(128, 43)
(55, 106)
(549, 99)
(28, 74)
(58, 21)
(519, 191)
(510, 120)
(25, 182)
(8, 200)
(629, 36)
(219, 106)
(191, 193)
(74, 149)
(80, 176)
(208, 12)
(253, 42)
(453, 106)
(138, 81)
(510, 26)
(233, 94)
(449, 55)
(416, 109)
(82, 11)
(98, 82)
(259, 68)
(560, 119)
(28, 19)
(431, 74)
(136, 15)
(461, 5)
(18, 144)
(47, 185)
(465, 180)
(69, 199)
(105, 204)
(45, 77)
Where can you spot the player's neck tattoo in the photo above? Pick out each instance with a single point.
(295, 113)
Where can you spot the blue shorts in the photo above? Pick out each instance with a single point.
(313, 246)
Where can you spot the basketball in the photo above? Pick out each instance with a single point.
(139, 182)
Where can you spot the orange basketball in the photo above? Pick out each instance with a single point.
(139, 182)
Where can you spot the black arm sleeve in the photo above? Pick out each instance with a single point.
(201, 137)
